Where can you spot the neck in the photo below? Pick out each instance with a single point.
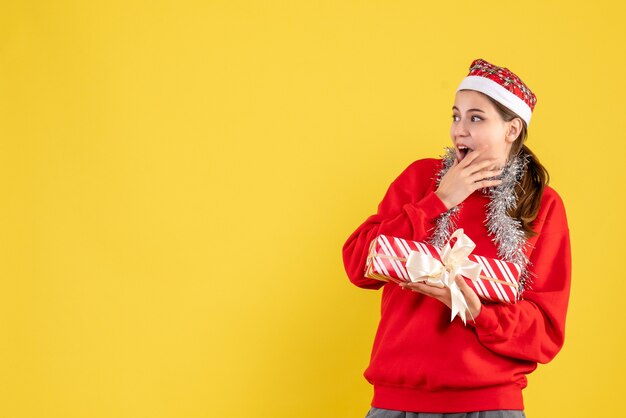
(506, 232)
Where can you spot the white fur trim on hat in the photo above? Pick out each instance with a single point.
(498, 93)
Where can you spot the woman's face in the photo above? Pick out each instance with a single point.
(477, 126)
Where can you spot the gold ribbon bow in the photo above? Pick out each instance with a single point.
(425, 268)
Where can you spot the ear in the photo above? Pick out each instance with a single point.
(513, 130)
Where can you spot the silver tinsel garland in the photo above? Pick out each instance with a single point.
(506, 232)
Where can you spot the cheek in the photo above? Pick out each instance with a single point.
(488, 145)
(490, 137)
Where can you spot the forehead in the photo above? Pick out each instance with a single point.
(470, 99)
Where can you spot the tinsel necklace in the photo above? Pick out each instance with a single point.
(505, 231)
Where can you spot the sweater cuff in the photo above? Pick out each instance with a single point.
(431, 205)
(487, 320)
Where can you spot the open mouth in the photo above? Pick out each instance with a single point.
(463, 151)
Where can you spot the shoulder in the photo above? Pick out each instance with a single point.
(425, 168)
(551, 216)
(426, 164)
(551, 199)
(416, 179)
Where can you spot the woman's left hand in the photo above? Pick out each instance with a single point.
(443, 294)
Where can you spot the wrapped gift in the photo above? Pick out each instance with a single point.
(399, 260)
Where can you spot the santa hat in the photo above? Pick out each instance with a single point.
(501, 85)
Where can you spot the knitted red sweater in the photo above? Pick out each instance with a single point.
(421, 361)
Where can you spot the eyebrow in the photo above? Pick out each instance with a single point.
(469, 110)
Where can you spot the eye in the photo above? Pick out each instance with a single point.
(474, 118)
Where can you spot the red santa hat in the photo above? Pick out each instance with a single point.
(501, 85)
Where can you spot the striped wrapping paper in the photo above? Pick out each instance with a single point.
(387, 258)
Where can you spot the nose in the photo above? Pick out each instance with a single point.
(459, 129)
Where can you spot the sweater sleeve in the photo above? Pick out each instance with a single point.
(534, 328)
(408, 210)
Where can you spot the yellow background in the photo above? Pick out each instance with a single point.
(178, 179)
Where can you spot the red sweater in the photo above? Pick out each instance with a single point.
(421, 361)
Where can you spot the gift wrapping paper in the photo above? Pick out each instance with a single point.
(497, 282)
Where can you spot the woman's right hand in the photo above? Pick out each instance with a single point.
(465, 177)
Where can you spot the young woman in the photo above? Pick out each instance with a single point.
(491, 185)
